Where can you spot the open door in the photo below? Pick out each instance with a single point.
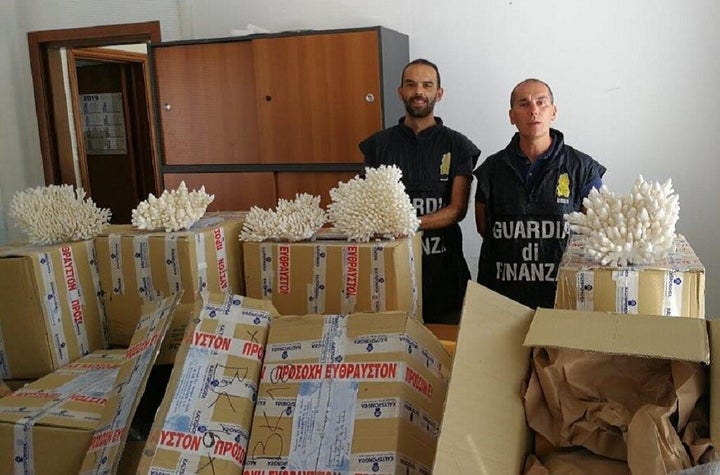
(117, 183)
(113, 122)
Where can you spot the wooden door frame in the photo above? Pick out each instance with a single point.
(39, 43)
(107, 55)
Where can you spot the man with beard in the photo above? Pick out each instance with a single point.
(523, 193)
(436, 164)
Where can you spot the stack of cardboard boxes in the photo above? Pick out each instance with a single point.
(142, 291)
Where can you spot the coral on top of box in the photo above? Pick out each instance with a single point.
(635, 228)
(362, 208)
(173, 211)
(57, 214)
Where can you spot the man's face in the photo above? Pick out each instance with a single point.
(419, 90)
(532, 111)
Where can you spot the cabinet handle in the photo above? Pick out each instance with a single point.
(168, 107)
(369, 97)
(268, 98)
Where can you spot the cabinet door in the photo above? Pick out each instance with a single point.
(206, 101)
(317, 96)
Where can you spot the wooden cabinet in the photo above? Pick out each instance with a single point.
(292, 105)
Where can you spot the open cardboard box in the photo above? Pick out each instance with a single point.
(484, 431)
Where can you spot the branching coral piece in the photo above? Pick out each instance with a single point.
(637, 228)
(173, 211)
(292, 221)
(376, 205)
(57, 213)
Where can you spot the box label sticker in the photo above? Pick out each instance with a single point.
(53, 314)
(585, 287)
(115, 245)
(413, 281)
(143, 274)
(267, 272)
(626, 291)
(672, 293)
(172, 264)
(201, 262)
(377, 279)
(316, 289)
(97, 287)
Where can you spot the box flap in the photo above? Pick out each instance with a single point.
(111, 432)
(484, 432)
(714, 330)
(72, 397)
(675, 338)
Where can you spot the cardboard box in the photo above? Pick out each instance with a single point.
(139, 266)
(50, 312)
(361, 393)
(484, 430)
(336, 276)
(75, 420)
(674, 287)
(203, 422)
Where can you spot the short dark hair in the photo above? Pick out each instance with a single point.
(424, 62)
(512, 94)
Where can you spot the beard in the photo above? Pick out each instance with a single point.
(419, 112)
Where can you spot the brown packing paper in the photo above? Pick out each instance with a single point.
(654, 446)
(606, 404)
(697, 435)
(574, 462)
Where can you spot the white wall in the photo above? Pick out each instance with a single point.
(633, 79)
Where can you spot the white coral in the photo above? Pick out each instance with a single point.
(173, 210)
(376, 205)
(637, 228)
(292, 221)
(57, 213)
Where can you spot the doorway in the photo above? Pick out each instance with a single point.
(114, 175)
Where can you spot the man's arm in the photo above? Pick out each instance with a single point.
(480, 218)
(455, 211)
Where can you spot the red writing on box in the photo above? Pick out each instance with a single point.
(351, 271)
(194, 443)
(221, 265)
(284, 269)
